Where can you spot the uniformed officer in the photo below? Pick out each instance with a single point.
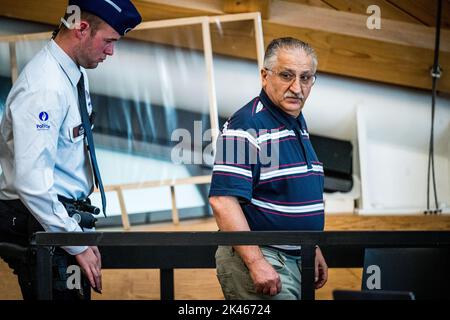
(46, 146)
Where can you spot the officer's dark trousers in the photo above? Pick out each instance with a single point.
(17, 225)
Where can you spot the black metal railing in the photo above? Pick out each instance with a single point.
(174, 250)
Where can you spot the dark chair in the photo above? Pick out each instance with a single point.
(423, 271)
(12, 251)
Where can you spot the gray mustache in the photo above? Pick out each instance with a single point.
(294, 96)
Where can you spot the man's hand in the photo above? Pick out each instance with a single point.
(99, 257)
(90, 262)
(265, 278)
(321, 270)
(230, 217)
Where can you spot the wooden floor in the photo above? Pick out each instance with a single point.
(201, 284)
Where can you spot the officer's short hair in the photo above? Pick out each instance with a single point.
(94, 23)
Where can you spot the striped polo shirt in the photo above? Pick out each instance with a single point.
(265, 159)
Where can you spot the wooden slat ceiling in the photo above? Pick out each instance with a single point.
(413, 11)
(400, 53)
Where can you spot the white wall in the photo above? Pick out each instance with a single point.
(120, 168)
(397, 178)
(393, 139)
(10, 27)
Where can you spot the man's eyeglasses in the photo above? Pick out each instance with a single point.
(289, 77)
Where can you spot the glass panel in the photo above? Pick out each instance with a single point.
(5, 74)
(236, 65)
(153, 111)
(151, 97)
(26, 50)
(5, 77)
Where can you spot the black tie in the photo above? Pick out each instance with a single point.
(90, 139)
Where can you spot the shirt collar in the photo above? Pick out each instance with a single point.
(67, 64)
(286, 119)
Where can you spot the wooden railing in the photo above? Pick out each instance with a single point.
(171, 183)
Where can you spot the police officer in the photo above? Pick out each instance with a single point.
(46, 146)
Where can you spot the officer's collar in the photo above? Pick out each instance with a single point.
(289, 121)
(67, 64)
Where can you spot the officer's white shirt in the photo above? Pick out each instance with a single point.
(41, 154)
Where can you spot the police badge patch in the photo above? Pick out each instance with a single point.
(43, 117)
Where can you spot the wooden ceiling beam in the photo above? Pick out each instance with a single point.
(425, 10)
(48, 12)
(351, 24)
(160, 10)
(388, 11)
(240, 6)
(400, 53)
(314, 3)
(369, 59)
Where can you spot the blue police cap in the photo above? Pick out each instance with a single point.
(121, 15)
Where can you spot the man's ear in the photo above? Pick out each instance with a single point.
(82, 30)
(264, 75)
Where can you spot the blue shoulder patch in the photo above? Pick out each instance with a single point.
(43, 116)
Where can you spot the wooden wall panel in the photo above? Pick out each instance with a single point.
(368, 59)
(315, 3)
(49, 12)
(425, 10)
(240, 6)
(158, 11)
(388, 11)
(388, 58)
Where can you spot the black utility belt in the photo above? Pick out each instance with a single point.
(81, 210)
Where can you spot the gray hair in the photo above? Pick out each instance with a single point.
(287, 43)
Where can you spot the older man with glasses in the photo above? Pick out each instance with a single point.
(267, 177)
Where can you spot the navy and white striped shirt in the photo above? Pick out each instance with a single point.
(265, 158)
